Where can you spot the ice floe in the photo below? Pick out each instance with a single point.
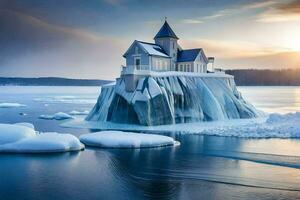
(273, 126)
(119, 139)
(14, 132)
(56, 116)
(11, 105)
(76, 112)
(67, 99)
(22, 138)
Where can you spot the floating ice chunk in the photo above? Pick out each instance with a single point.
(56, 116)
(22, 138)
(11, 105)
(61, 116)
(45, 142)
(14, 132)
(75, 112)
(119, 139)
(49, 117)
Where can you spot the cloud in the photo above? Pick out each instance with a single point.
(281, 12)
(192, 21)
(33, 47)
(233, 54)
(230, 11)
(230, 49)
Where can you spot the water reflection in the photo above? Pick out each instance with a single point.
(165, 173)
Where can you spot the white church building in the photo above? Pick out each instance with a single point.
(165, 55)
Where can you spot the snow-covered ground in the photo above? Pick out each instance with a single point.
(119, 139)
(22, 138)
(273, 126)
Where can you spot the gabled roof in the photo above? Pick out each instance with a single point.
(189, 55)
(165, 31)
(149, 48)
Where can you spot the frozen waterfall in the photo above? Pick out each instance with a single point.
(169, 99)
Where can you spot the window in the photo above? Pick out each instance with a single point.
(188, 67)
(166, 65)
(173, 43)
(137, 63)
(136, 50)
(158, 64)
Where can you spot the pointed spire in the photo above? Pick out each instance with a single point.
(165, 31)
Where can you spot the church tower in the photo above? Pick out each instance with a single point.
(167, 39)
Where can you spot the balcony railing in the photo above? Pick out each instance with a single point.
(134, 69)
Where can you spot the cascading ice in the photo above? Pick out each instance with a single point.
(169, 99)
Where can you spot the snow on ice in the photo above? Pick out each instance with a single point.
(119, 139)
(273, 126)
(22, 138)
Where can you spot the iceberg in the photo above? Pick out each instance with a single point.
(172, 98)
(22, 138)
(119, 139)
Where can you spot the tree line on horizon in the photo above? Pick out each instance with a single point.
(266, 77)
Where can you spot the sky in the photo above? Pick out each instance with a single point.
(86, 39)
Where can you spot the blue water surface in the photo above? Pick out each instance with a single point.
(202, 167)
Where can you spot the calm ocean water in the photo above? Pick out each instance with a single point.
(202, 167)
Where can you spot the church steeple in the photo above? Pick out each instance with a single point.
(167, 39)
(166, 31)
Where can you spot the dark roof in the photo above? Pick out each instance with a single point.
(187, 55)
(165, 31)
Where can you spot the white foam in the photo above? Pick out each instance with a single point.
(22, 138)
(119, 139)
(11, 105)
(56, 116)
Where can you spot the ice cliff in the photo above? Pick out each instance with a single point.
(169, 99)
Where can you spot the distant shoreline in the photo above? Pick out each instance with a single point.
(242, 77)
(50, 81)
(265, 77)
